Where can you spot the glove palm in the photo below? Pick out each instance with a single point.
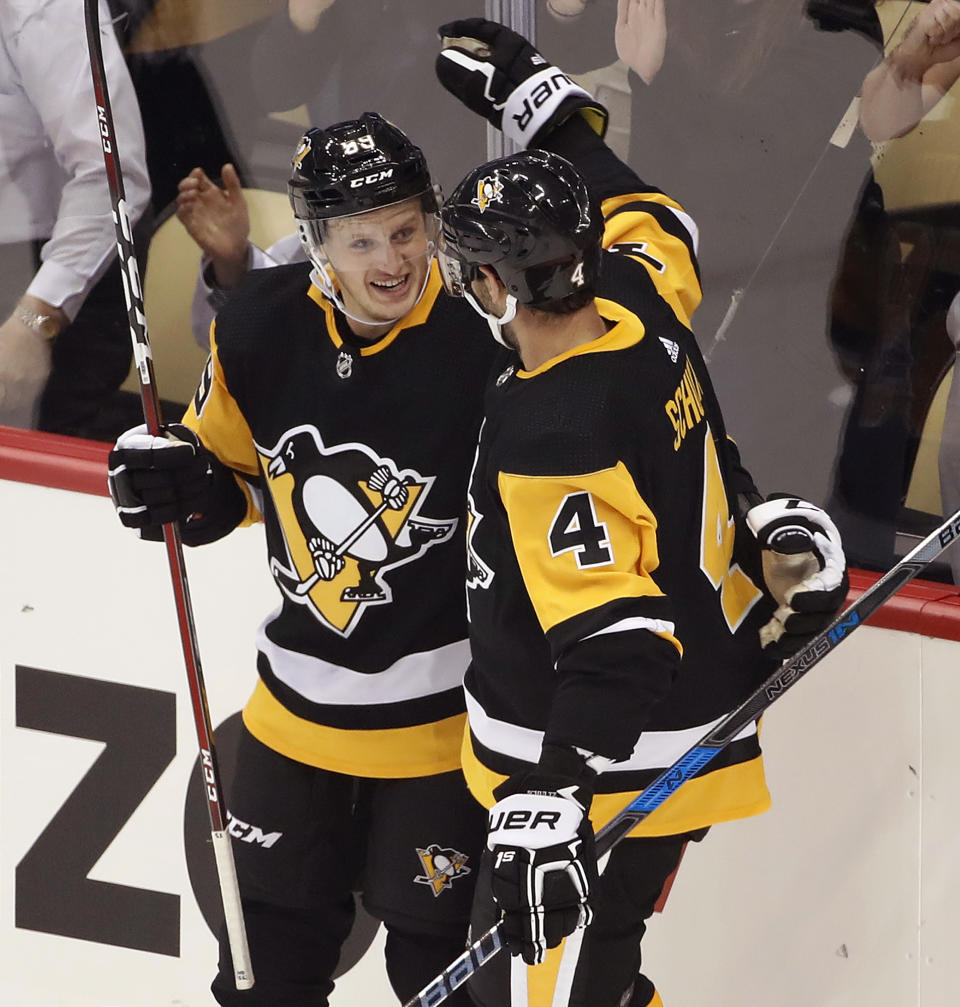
(804, 568)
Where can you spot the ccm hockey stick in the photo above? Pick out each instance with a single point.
(230, 892)
(717, 738)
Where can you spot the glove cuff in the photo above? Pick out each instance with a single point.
(559, 768)
(543, 101)
(569, 763)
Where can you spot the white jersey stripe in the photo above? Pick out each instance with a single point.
(413, 676)
(567, 969)
(654, 750)
(657, 626)
(689, 224)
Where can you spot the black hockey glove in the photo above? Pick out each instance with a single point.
(540, 843)
(498, 74)
(804, 568)
(171, 477)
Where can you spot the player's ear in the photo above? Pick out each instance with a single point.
(494, 293)
(492, 282)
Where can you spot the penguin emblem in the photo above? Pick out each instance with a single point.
(348, 516)
(441, 867)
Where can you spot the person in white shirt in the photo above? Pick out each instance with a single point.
(57, 239)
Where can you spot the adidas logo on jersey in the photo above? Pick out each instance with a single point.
(672, 348)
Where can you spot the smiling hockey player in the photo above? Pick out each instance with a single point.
(340, 406)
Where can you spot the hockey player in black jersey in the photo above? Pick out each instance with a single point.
(627, 585)
(340, 406)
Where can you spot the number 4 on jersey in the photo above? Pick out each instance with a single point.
(575, 527)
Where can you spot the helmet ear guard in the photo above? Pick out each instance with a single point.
(458, 274)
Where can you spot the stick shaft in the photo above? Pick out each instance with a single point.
(133, 292)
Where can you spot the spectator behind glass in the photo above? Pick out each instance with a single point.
(253, 74)
(64, 345)
(916, 74)
(738, 103)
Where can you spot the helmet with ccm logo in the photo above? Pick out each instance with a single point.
(532, 220)
(354, 166)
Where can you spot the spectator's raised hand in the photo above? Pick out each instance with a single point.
(932, 37)
(914, 75)
(566, 8)
(305, 14)
(641, 36)
(218, 221)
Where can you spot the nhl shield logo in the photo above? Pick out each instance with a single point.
(348, 516)
(441, 867)
(344, 365)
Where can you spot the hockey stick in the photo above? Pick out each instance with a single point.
(230, 892)
(717, 738)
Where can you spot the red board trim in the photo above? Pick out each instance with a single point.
(68, 463)
(922, 606)
(63, 463)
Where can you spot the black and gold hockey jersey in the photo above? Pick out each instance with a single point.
(356, 458)
(607, 607)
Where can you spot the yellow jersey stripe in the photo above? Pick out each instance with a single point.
(395, 753)
(738, 791)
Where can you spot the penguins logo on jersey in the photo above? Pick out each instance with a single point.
(489, 191)
(348, 516)
(479, 575)
(303, 148)
(203, 389)
(441, 867)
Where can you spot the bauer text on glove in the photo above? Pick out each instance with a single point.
(498, 74)
(541, 847)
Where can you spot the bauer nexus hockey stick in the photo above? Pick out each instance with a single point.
(717, 738)
(229, 889)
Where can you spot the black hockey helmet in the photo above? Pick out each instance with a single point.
(354, 166)
(530, 218)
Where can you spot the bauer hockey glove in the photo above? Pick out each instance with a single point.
(170, 477)
(541, 851)
(804, 568)
(498, 74)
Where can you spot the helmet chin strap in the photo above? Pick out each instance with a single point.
(323, 280)
(496, 324)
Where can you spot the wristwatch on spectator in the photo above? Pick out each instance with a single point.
(44, 325)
